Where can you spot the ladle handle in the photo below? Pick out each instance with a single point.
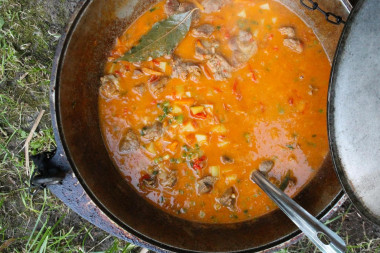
(308, 224)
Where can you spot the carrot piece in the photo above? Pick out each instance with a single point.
(172, 146)
(236, 91)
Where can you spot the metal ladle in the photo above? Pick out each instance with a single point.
(308, 224)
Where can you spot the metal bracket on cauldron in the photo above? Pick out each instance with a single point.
(330, 17)
(46, 172)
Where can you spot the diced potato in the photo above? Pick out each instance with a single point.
(188, 127)
(265, 6)
(214, 170)
(274, 20)
(188, 94)
(231, 178)
(176, 109)
(242, 14)
(149, 72)
(301, 105)
(201, 138)
(197, 109)
(220, 129)
(163, 66)
(150, 148)
(223, 143)
(180, 90)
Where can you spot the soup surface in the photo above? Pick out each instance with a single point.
(245, 89)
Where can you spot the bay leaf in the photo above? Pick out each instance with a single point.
(162, 39)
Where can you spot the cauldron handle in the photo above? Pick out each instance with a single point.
(51, 168)
(309, 225)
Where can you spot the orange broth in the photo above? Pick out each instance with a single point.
(266, 108)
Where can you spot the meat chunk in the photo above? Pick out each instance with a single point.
(243, 47)
(150, 179)
(129, 142)
(226, 159)
(204, 49)
(171, 7)
(245, 36)
(139, 89)
(265, 166)
(110, 86)
(287, 31)
(185, 70)
(168, 179)
(294, 44)
(228, 199)
(157, 85)
(137, 74)
(174, 6)
(214, 5)
(219, 67)
(206, 184)
(153, 131)
(204, 30)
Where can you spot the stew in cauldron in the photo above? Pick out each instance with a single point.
(197, 94)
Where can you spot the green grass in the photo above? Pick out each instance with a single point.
(42, 223)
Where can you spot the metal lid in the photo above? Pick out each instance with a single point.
(354, 109)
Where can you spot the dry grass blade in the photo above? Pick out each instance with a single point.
(6, 244)
(30, 136)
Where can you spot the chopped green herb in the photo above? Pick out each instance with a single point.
(246, 211)
(186, 148)
(269, 27)
(254, 22)
(153, 9)
(255, 195)
(162, 199)
(218, 27)
(143, 130)
(285, 181)
(312, 144)
(181, 192)
(165, 104)
(320, 110)
(280, 109)
(243, 24)
(314, 135)
(179, 119)
(289, 146)
(202, 214)
(233, 216)
(247, 137)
